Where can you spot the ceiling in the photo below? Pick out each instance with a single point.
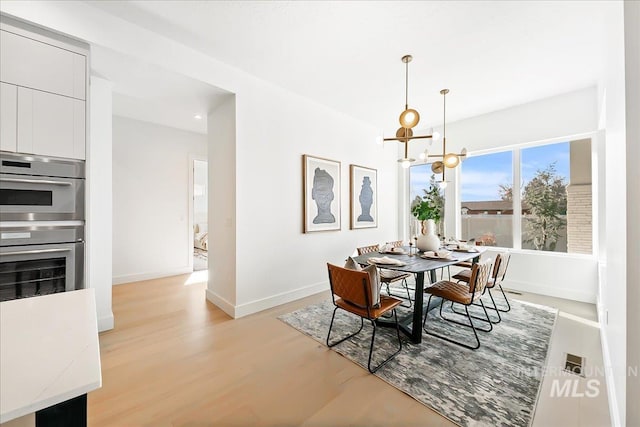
(346, 54)
(149, 93)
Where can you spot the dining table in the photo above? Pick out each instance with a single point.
(418, 263)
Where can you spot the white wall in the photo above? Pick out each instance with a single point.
(201, 184)
(632, 101)
(572, 113)
(258, 229)
(553, 274)
(613, 284)
(270, 146)
(99, 198)
(151, 235)
(569, 115)
(221, 289)
(273, 129)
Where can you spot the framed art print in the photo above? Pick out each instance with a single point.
(363, 196)
(321, 180)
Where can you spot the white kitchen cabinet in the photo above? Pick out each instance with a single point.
(37, 65)
(8, 116)
(50, 125)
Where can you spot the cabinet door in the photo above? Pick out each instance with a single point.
(50, 125)
(30, 63)
(8, 116)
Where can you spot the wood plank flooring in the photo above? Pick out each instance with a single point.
(174, 359)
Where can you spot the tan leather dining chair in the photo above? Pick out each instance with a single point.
(387, 277)
(396, 243)
(461, 294)
(497, 277)
(351, 292)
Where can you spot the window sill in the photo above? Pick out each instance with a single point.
(541, 253)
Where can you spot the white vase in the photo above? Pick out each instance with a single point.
(428, 240)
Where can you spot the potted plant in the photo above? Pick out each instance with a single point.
(428, 209)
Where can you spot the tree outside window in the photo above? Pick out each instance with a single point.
(555, 198)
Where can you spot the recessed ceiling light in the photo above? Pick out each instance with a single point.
(197, 117)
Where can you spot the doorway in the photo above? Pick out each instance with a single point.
(200, 212)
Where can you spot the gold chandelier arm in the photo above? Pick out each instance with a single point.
(409, 139)
(406, 59)
(441, 155)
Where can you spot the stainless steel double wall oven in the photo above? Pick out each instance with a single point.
(41, 225)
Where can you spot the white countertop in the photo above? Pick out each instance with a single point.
(49, 351)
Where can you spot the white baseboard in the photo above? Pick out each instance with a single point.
(128, 278)
(241, 310)
(606, 360)
(279, 299)
(221, 303)
(106, 323)
(571, 294)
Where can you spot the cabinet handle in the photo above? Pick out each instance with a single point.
(37, 251)
(35, 181)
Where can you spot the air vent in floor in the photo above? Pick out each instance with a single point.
(574, 364)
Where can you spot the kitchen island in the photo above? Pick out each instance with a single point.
(49, 355)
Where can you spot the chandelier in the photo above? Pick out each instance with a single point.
(409, 118)
(449, 160)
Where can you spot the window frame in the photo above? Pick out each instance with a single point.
(516, 150)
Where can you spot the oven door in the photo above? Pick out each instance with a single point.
(27, 271)
(35, 198)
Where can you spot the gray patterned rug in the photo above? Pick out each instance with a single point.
(496, 385)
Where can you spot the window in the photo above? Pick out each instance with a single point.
(554, 210)
(419, 179)
(545, 174)
(486, 203)
(556, 197)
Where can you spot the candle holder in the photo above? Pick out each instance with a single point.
(410, 247)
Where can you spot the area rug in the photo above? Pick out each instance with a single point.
(496, 385)
(200, 259)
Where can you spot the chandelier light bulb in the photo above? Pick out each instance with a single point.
(409, 118)
(442, 184)
(424, 155)
(379, 139)
(436, 136)
(405, 163)
(451, 160)
(437, 167)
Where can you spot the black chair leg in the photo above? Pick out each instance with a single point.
(406, 287)
(345, 338)
(373, 337)
(495, 308)
(404, 281)
(442, 337)
(448, 273)
(505, 299)
(486, 320)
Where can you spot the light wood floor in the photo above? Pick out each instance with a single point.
(174, 359)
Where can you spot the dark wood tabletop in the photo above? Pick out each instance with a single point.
(411, 324)
(416, 263)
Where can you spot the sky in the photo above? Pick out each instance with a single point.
(482, 175)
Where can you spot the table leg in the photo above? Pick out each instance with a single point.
(415, 331)
(71, 413)
(416, 327)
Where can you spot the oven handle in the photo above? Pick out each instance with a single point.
(36, 181)
(35, 251)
